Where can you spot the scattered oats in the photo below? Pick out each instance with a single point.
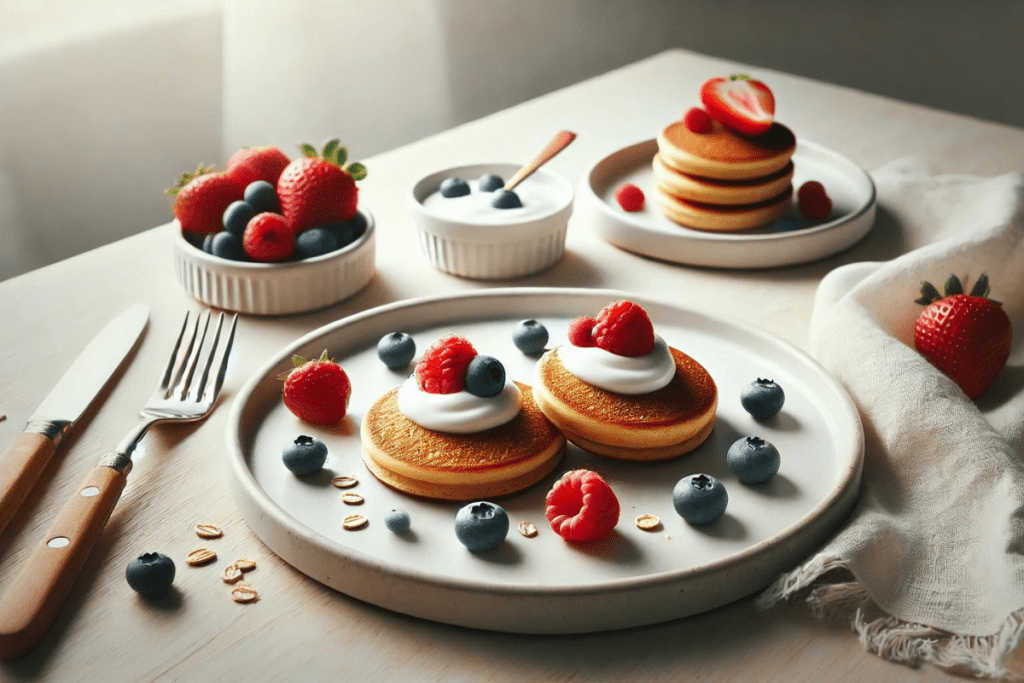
(344, 482)
(244, 593)
(2, 418)
(245, 565)
(200, 556)
(231, 573)
(208, 531)
(527, 529)
(351, 499)
(353, 522)
(648, 522)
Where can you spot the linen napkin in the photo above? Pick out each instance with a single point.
(929, 566)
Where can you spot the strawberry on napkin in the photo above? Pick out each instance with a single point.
(929, 567)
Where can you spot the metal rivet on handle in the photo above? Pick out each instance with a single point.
(89, 491)
(59, 542)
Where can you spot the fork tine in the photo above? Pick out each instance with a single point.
(197, 393)
(192, 360)
(165, 383)
(222, 370)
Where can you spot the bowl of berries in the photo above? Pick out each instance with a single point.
(471, 226)
(273, 236)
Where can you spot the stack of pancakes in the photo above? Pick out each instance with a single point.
(722, 181)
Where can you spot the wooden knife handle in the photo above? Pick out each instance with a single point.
(20, 468)
(32, 600)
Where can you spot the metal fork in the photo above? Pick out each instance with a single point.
(34, 598)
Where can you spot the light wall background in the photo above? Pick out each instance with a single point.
(103, 103)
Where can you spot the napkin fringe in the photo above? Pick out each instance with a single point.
(827, 585)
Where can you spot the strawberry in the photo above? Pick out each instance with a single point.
(623, 328)
(442, 369)
(697, 121)
(813, 201)
(740, 103)
(966, 336)
(319, 188)
(268, 238)
(200, 199)
(581, 331)
(316, 391)
(248, 165)
(630, 197)
(582, 507)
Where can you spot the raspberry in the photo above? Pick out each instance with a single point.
(317, 391)
(630, 197)
(581, 331)
(623, 328)
(582, 507)
(268, 238)
(813, 201)
(442, 369)
(698, 121)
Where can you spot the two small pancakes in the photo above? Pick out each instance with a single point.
(722, 181)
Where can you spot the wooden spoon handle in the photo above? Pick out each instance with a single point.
(557, 144)
(33, 598)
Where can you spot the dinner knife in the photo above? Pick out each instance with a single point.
(25, 460)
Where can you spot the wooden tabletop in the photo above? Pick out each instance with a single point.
(301, 628)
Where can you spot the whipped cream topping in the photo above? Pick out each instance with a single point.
(539, 195)
(458, 413)
(621, 374)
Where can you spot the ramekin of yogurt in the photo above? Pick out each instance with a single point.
(470, 227)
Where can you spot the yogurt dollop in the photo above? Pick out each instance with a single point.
(458, 413)
(621, 374)
(539, 196)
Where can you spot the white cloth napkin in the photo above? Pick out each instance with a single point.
(929, 566)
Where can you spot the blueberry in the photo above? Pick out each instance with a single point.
(358, 224)
(208, 242)
(261, 196)
(237, 217)
(150, 574)
(490, 182)
(342, 232)
(315, 242)
(700, 498)
(485, 376)
(454, 187)
(228, 246)
(530, 336)
(763, 398)
(753, 460)
(396, 350)
(506, 199)
(397, 521)
(305, 456)
(481, 526)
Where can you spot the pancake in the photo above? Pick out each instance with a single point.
(431, 464)
(726, 155)
(710, 191)
(662, 424)
(721, 217)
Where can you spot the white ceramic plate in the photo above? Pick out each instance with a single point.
(543, 584)
(792, 240)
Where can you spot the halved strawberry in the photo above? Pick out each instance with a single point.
(966, 336)
(319, 188)
(200, 199)
(740, 103)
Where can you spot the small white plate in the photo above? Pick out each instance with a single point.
(543, 584)
(792, 240)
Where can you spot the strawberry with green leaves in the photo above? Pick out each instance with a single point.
(250, 164)
(200, 199)
(966, 336)
(319, 188)
(316, 391)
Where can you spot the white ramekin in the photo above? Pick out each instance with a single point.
(276, 288)
(491, 252)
